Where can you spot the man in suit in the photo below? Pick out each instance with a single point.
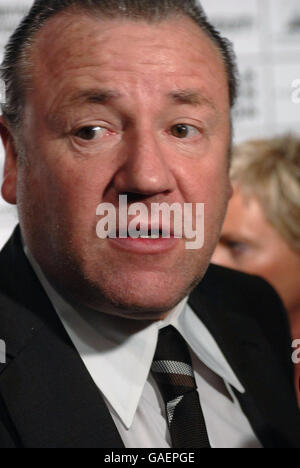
(105, 99)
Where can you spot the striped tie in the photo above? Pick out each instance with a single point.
(173, 373)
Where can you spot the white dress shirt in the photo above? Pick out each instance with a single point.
(118, 354)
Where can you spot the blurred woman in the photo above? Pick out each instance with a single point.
(261, 234)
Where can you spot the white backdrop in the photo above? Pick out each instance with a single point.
(266, 35)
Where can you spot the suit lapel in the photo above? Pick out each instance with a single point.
(55, 405)
(52, 405)
(252, 360)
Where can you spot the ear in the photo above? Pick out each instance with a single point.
(9, 184)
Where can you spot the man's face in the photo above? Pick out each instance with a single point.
(122, 107)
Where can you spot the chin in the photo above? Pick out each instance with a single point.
(143, 307)
(138, 291)
(136, 308)
(148, 297)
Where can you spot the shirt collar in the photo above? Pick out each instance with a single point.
(118, 353)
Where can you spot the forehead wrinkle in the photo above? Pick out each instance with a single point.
(70, 29)
(191, 97)
(94, 96)
(103, 96)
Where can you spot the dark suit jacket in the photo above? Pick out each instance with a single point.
(48, 399)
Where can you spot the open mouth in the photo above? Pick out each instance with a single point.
(153, 234)
(144, 242)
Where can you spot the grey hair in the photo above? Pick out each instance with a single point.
(14, 69)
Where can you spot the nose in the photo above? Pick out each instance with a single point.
(145, 170)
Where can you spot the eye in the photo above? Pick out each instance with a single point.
(237, 248)
(184, 131)
(90, 133)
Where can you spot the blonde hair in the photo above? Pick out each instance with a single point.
(270, 170)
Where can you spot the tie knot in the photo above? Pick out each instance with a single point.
(172, 366)
(171, 346)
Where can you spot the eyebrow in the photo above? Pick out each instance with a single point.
(228, 238)
(179, 96)
(191, 97)
(94, 96)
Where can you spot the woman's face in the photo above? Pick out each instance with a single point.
(249, 243)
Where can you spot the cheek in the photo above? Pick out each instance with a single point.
(207, 181)
(280, 273)
(222, 256)
(216, 194)
(283, 273)
(76, 199)
(260, 260)
(61, 203)
(269, 268)
(78, 185)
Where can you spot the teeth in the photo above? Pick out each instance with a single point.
(154, 236)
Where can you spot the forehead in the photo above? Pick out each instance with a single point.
(76, 49)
